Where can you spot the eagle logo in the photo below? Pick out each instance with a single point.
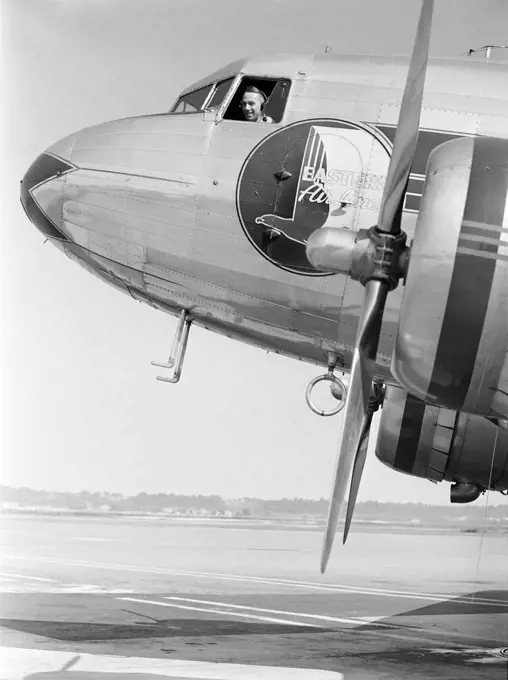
(312, 174)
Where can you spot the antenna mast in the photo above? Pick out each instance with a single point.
(487, 49)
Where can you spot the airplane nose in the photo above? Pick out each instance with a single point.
(41, 194)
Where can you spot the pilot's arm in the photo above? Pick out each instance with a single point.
(266, 119)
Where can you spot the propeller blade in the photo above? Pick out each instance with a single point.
(361, 457)
(406, 136)
(355, 418)
(359, 464)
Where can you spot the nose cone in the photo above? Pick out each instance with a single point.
(41, 192)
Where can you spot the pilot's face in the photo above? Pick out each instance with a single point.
(251, 105)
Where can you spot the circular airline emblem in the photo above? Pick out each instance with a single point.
(311, 174)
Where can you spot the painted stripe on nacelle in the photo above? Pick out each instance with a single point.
(409, 436)
(461, 344)
(453, 324)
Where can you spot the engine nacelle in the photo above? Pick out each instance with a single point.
(440, 444)
(452, 342)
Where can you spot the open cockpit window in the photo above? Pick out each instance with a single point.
(264, 101)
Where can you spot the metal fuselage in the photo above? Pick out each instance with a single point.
(153, 203)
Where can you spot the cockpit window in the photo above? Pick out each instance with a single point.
(192, 101)
(274, 91)
(220, 93)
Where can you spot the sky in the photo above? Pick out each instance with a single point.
(80, 405)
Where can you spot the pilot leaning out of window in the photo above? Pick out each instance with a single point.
(253, 103)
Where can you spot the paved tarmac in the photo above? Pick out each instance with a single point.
(99, 599)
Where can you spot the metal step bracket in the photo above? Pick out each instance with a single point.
(178, 349)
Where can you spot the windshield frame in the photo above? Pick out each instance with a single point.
(188, 94)
(226, 97)
(213, 88)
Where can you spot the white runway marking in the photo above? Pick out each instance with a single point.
(30, 578)
(94, 539)
(91, 589)
(477, 654)
(265, 619)
(359, 621)
(18, 664)
(306, 585)
(21, 582)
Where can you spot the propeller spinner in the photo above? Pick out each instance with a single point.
(379, 270)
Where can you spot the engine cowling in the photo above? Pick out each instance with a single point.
(452, 342)
(442, 444)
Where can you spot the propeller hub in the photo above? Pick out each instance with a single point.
(364, 255)
(384, 258)
(331, 250)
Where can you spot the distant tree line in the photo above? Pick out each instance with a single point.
(143, 502)
(254, 507)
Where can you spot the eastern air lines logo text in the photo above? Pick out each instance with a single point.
(313, 174)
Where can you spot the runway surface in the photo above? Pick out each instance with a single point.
(88, 598)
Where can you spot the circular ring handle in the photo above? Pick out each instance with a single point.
(329, 377)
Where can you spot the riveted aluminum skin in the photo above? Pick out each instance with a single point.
(150, 205)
